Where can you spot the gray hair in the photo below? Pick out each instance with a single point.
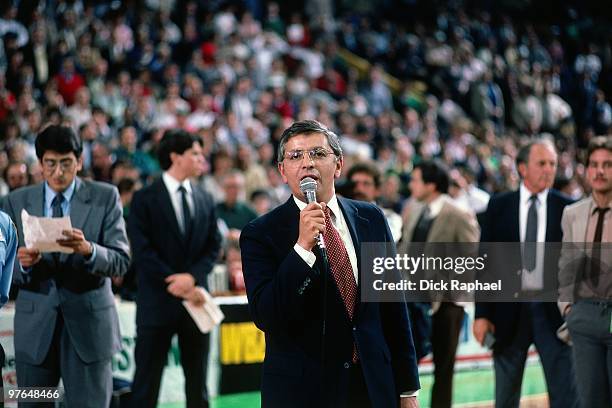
(305, 127)
(523, 154)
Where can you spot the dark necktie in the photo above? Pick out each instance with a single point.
(596, 256)
(531, 235)
(56, 206)
(186, 213)
(57, 212)
(341, 269)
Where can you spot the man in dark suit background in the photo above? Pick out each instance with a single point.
(175, 242)
(366, 357)
(66, 324)
(531, 214)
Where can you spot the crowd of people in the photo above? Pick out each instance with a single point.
(466, 86)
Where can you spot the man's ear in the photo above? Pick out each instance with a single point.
(339, 165)
(281, 170)
(80, 163)
(522, 170)
(173, 158)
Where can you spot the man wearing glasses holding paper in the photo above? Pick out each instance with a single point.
(66, 322)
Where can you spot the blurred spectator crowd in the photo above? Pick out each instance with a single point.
(465, 85)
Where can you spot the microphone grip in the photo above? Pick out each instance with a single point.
(311, 196)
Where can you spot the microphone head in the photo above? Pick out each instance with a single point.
(308, 185)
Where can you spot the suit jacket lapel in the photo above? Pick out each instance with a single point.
(417, 209)
(198, 216)
(36, 202)
(441, 226)
(289, 227)
(358, 227)
(80, 207)
(514, 218)
(165, 204)
(582, 221)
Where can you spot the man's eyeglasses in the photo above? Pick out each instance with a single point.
(316, 154)
(64, 164)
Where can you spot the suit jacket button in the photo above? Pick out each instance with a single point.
(515, 295)
(518, 272)
(354, 328)
(347, 365)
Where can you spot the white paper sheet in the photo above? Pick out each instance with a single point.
(43, 232)
(205, 316)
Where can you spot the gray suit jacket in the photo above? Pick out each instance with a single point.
(82, 292)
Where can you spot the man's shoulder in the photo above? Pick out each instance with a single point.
(6, 222)
(275, 217)
(22, 193)
(151, 189)
(99, 187)
(455, 210)
(504, 197)
(364, 208)
(578, 206)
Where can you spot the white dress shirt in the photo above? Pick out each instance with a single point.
(533, 280)
(341, 226)
(172, 185)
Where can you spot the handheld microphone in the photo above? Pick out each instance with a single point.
(308, 186)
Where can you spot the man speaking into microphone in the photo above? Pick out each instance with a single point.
(324, 346)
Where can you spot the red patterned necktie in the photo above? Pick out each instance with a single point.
(341, 269)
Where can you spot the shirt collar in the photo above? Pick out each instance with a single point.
(173, 184)
(525, 195)
(436, 205)
(50, 193)
(332, 204)
(594, 206)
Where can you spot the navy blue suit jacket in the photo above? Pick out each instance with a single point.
(159, 250)
(501, 224)
(285, 299)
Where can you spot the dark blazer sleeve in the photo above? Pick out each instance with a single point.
(210, 250)
(276, 289)
(398, 332)
(112, 249)
(485, 309)
(140, 228)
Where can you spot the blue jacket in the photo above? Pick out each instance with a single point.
(8, 251)
(285, 300)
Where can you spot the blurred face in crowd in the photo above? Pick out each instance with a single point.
(129, 139)
(418, 188)
(60, 169)
(599, 171)
(233, 186)
(364, 188)
(323, 169)
(17, 176)
(539, 172)
(190, 163)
